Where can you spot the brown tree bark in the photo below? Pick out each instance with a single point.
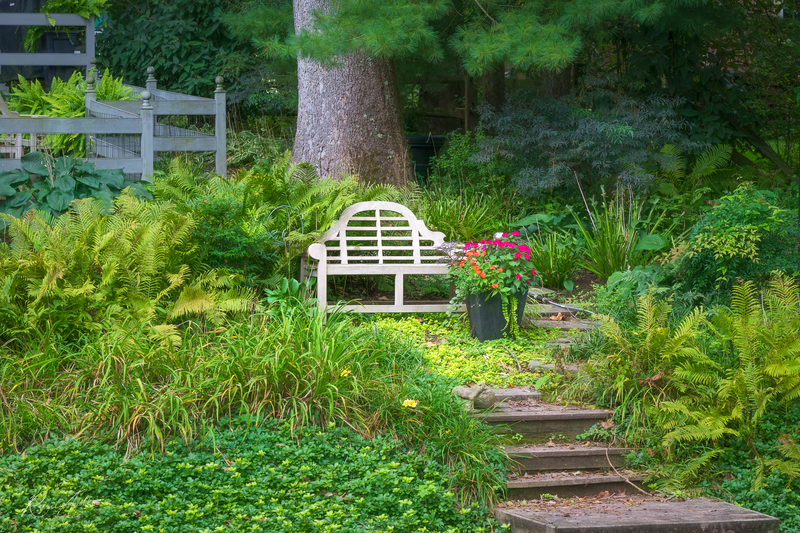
(348, 118)
(494, 88)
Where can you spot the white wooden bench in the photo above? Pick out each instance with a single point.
(379, 238)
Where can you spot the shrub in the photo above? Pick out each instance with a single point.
(597, 135)
(455, 166)
(259, 222)
(88, 271)
(744, 235)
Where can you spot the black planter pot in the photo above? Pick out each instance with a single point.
(486, 320)
(422, 148)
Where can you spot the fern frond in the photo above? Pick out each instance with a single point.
(710, 161)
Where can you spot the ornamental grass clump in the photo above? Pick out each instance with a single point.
(494, 266)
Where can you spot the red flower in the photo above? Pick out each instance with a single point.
(495, 285)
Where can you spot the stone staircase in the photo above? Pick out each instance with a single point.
(558, 483)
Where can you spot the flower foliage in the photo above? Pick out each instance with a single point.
(500, 266)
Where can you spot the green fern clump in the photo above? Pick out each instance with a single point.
(724, 401)
(259, 222)
(88, 272)
(636, 372)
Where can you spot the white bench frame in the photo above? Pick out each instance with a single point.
(405, 260)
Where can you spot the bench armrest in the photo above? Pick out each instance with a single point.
(317, 251)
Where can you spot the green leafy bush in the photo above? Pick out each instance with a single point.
(456, 168)
(250, 478)
(90, 271)
(185, 41)
(258, 223)
(52, 185)
(635, 371)
(596, 135)
(725, 399)
(744, 235)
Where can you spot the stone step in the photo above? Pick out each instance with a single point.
(540, 422)
(569, 485)
(633, 514)
(547, 310)
(516, 394)
(580, 324)
(570, 457)
(535, 365)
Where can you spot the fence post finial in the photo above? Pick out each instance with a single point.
(151, 83)
(91, 69)
(218, 80)
(146, 100)
(90, 84)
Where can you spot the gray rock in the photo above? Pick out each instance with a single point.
(477, 397)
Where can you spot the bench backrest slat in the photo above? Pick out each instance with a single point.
(380, 232)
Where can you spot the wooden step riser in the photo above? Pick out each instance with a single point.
(570, 491)
(571, 463)
(538, 431)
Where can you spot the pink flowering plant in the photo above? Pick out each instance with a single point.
(497, 266)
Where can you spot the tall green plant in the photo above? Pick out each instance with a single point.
(619, 235)
(636, 373)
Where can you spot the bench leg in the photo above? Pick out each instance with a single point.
(398, 289)
(322, 284)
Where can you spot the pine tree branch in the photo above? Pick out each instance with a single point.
(485, 12)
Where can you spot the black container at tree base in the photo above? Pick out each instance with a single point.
(422, 148)
(486, 319)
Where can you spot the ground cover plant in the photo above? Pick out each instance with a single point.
(449, 350)
(239, 477)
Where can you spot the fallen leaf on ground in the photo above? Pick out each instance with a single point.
(559, 316)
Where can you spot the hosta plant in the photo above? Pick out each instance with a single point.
(51, 185)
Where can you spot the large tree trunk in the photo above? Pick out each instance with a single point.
(348, 118)
(494, 88)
